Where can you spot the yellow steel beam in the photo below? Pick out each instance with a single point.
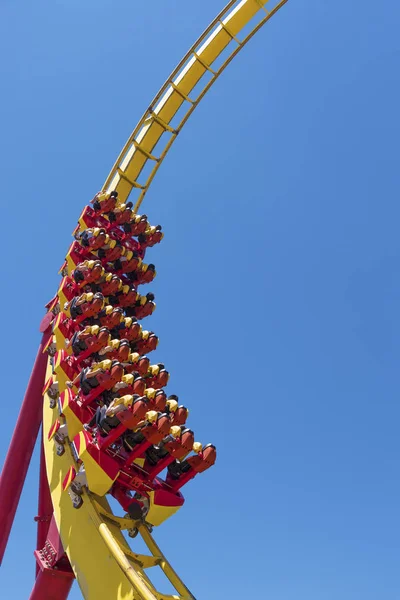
(98, 574)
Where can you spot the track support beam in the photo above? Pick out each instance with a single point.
(45, 506)
(22, 444)
(55, 576)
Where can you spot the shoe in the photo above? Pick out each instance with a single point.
(135, 511)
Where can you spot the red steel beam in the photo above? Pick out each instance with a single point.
(55, 576)
(52, 584)
(45, 505)
(22, 444)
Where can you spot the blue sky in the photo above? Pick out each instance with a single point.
(277, 289)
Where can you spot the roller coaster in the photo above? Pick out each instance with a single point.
(109, 429)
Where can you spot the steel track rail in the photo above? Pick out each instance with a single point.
(156, 131)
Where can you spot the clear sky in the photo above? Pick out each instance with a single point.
(278, 284)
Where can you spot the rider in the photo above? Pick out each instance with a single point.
(105, 374)
(152, 236)
(117, 350)
(110, 317)
(146, 343)
(88, 271)
(110, 285)
(92, 336)
(143, 307)
(157, 376)
(84, 306)
(128, 296)
(104, 202)
(129, 329)
(92, 238)
(145, 274)
(180, 472)
(128, 263)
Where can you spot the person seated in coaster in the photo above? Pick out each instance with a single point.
(105, 373)
(177, 444)
(145, 274)
(183, 443)
(157, 452)
(121, 214)
(104, 202)
(117, 350)
(180, 415)
(113, 376)
(106, 418)
(92, 336)
(137, 224)
(143, 307)
(131, 383)
(85, 306)
(129, 329)
(152, 236)
(110, 285)
(154, 428)
(146, 343)
(78, 340)
(92, 238)
(133, 438)
(88, 271)
(137, 364)
(128, 263)
(111, 251)
(157, 376)
(137, 403)
(180, 472)
(87, 379)
(110, 317)
(128, 296)
(171, 404)
(157, 400)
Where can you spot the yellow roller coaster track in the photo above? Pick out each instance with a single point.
(103, 563)
(155, 127)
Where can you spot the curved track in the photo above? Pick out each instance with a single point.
(102, 561)
(197, 72)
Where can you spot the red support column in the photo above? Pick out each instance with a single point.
(52, 584)
(55, 576)
(22, 444)
(45, 505)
